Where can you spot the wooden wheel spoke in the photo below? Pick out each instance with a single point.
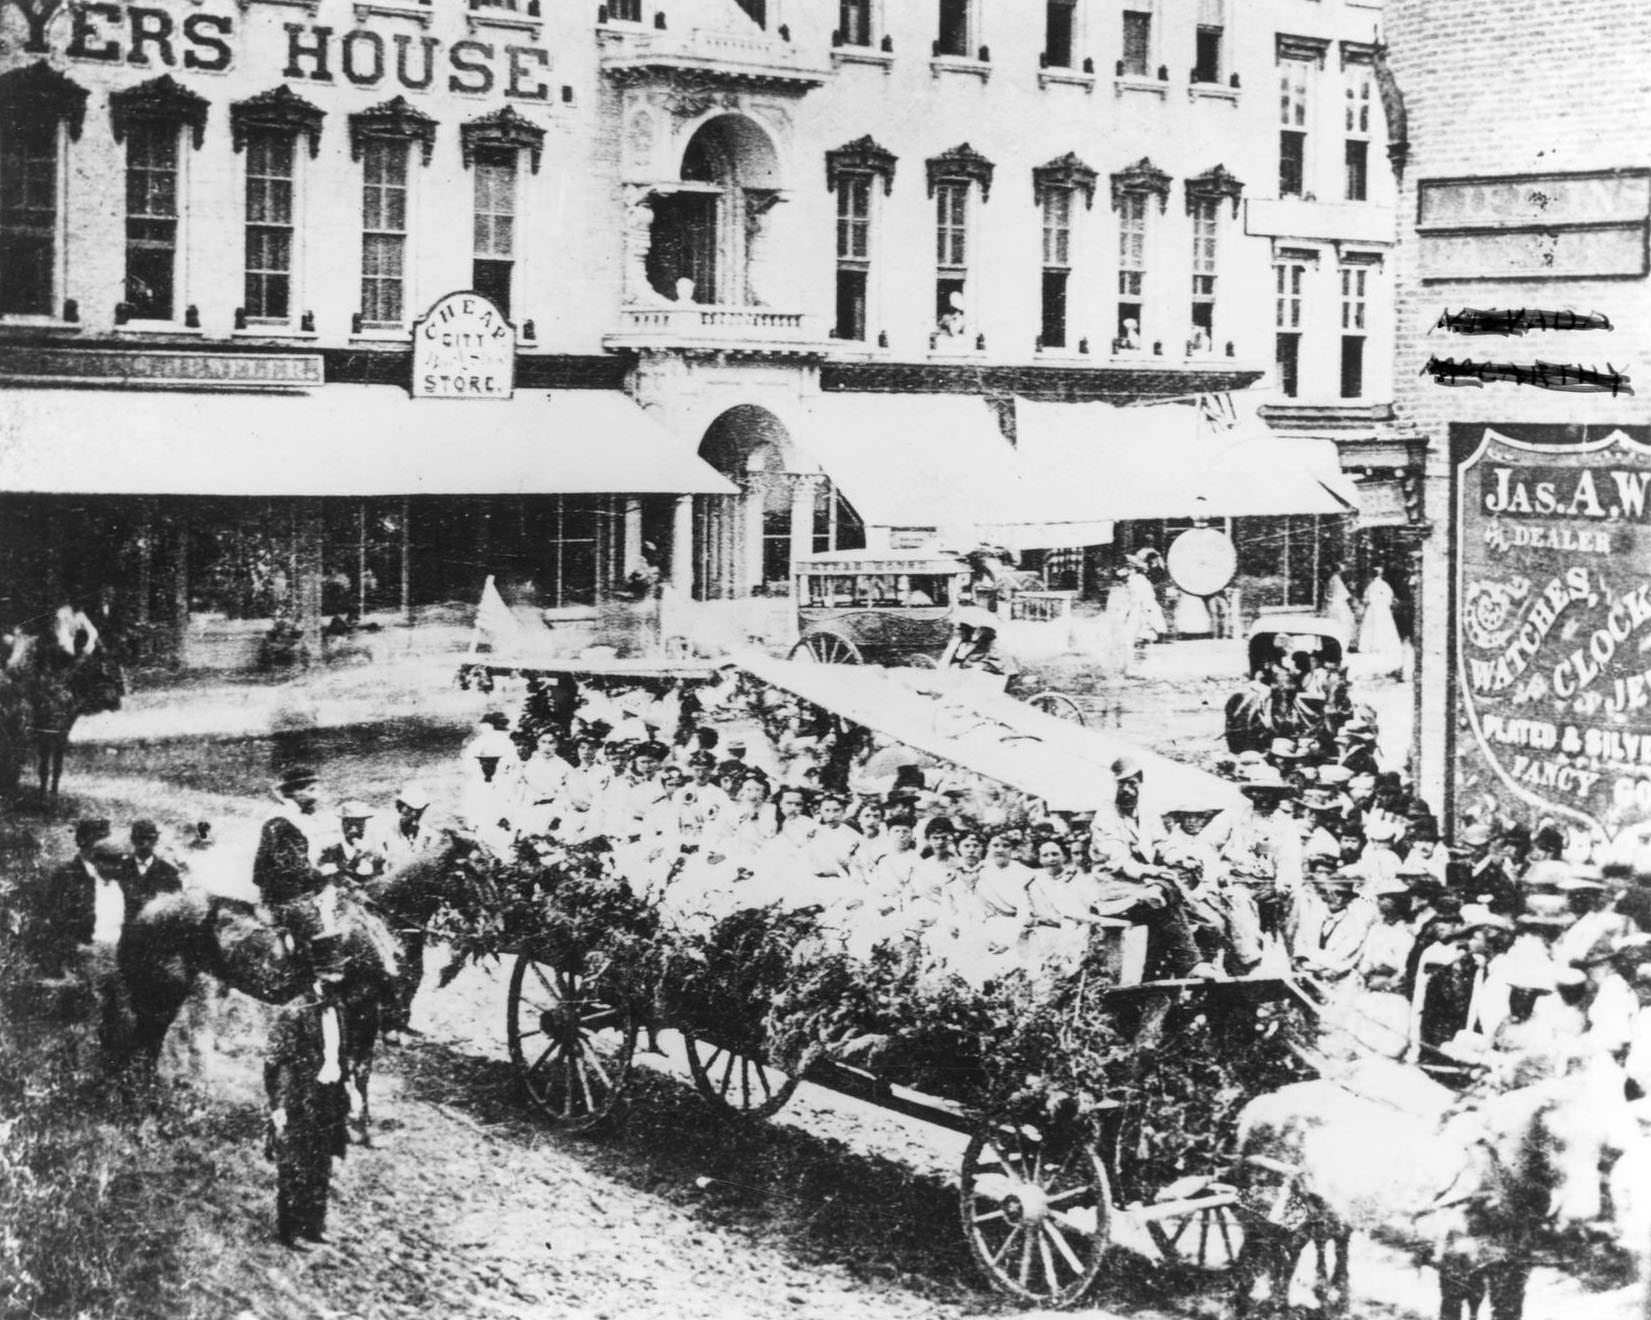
(1053, 1233)
(550, 990)
(550, 1049)
(988, 1216)
(1048, 1262)
(594, 1061)
(1071, 1194)
(1024, 1269)
(745, 1083)
(762, 1076)
(1181, 1229)
(1221, 1220)
(1003, 1247)
(583, 1074)
(727, 1077)
(600, 1015)
(1204, 1238)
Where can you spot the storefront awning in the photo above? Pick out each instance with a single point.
(1165, 461)
(341, 440)
(938, 461)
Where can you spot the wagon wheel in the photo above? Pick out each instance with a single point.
(827, 648)
(1036, 1210)
(1195, 1222)
(736, 1083)
(571, 1039)
(1058, 704)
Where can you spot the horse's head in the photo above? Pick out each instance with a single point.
(1554, 1144)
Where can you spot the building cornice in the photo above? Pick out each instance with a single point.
(1068, 172)
(961, 162)
(862, 156)
(503, 129)
(396, 118)
(1112, 384)
(280, 109)
(1141, 177)
(162, 99)
(38, 90)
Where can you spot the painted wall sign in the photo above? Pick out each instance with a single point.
(150, 37)
(1202, 561)
(1589, 225)
(1552, 627)
(463, 348)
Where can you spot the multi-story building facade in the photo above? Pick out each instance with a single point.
(730, 231)
(1523, 315)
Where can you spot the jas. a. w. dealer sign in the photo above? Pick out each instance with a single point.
(1553, 626)
(463, 348)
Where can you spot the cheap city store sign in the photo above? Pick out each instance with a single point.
(1553, 627)
(150, 37)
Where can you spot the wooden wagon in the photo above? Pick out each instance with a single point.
(1042, 1194)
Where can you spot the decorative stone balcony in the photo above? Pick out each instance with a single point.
(752, 61)
(715, 327)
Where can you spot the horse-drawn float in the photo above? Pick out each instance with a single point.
(1088, 1100)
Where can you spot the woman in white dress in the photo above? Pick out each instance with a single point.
(1378, 634)
(1338, 599)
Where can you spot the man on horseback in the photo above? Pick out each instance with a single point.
(301, 900)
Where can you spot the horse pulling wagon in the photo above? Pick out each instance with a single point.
(1103, 1111)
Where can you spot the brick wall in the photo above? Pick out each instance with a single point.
(1496, 88)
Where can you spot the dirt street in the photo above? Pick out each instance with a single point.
(470, 1207)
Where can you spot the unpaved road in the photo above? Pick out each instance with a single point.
(470, 1207)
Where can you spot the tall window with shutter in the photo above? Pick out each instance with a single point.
(1206, 214)
(28, 215)
(384, 232)
(152, 219)
(1353, 330)
(1137, 61)
(1057, 263)
(1132, 266)
(1356, 145)
(495, 224)
(1209, 41)
(853, 253)
(1295, 77)
(270, 179)
(1288, 279)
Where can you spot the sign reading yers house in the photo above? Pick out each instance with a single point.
(463, 348)
(1553, 629)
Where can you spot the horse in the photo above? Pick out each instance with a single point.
(1479, 1193)
(177, 936)
(54, 696)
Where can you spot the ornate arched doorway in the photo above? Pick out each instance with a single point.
(743, 543)
(706, 229)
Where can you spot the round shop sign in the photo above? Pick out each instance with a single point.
(1202, 561)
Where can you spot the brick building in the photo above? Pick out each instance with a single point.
(1526, 188)
(725, 234)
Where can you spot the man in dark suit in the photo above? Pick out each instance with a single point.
(306, 1125)
(293, 888)
(65, 909)
(142, 873)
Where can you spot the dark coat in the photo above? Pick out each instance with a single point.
(281, 869)
(139, 887)
(63, 914)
